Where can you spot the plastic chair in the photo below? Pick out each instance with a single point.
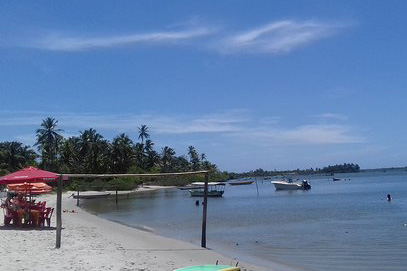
(9, 215)
(46, 216)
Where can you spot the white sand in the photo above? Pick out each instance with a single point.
(92, 243)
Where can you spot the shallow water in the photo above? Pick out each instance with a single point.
(345, 225)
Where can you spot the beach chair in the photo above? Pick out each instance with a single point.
(9, 215)
(40, 206)
(46, 216)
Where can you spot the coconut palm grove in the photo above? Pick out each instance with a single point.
(90, 152)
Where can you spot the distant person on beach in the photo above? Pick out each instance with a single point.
(388, 197)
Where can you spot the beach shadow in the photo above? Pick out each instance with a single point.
(13, 228)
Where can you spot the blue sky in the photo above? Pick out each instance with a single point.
(271, 84)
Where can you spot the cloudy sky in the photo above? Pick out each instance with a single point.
(252, 84)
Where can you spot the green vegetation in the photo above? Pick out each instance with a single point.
(14, 156)
(344, 168)
(89, 152)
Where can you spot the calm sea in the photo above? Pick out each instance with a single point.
(345, 225)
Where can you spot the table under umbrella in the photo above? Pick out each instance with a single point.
(28, 177)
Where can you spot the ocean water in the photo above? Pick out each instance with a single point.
(337, 226)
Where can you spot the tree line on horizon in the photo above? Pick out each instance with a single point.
(90, 152)
(338, 168)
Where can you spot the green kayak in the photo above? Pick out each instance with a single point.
(208, 268)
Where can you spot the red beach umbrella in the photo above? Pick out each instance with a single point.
(29, 175)
(30, 188)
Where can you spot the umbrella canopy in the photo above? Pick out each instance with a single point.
(30, 188)
(29, 175)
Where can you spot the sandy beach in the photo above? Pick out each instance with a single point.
(92, 243)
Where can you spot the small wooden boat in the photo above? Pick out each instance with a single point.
(215, 189)
(91, 196)
(241, 183)
(209, 268)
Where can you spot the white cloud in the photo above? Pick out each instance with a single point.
(162, 124)
(320, 134)
(273, 38)
(301, 135)
(278, 37)
(59, 42)
(333, 116)
(236, 124)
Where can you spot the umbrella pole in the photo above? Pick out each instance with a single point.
(59, 212)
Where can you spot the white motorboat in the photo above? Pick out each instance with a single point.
(289, 185)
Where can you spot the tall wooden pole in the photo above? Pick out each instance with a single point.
(257, 189)
(205, 210)
(59, 212)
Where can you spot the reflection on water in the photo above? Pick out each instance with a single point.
(346, 225)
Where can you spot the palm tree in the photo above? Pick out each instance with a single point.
(152, 157)
(167, 158)
(48, 141)
(181, 164)
(143, 132)
(14, 156)
(94, 151)
(205, 164)
(193, 157)
(70, 158)
(149, 146)
(122, 153)
(139, 155)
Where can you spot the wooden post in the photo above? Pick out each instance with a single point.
(205, 209)
(257, 189)
(77, 197)
(116, 196)
(59, 212)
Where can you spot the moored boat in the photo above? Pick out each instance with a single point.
(241, 183)
(215, 189)
(287, 185)
(340, 179)
(209, 268)
(91, 196)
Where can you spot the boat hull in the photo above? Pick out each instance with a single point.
(284, 185)
(242, 183)
(91, 196)
(287, 186)
(198, 193)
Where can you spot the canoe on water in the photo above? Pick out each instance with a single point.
(91, 196)
(209, 268)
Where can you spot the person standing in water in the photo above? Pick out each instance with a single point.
(388, 197)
